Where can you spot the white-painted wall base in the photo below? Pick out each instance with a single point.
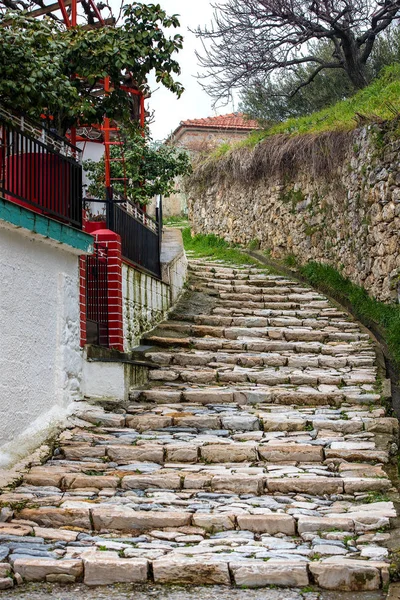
(40, 356)
(104, 380)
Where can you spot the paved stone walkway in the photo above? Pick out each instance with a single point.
(254, 457)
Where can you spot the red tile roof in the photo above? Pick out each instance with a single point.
(231, 121)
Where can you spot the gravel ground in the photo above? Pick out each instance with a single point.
(153, 592)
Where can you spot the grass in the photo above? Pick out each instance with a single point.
(379, 101)
(376, 497)
(175, 220)
(212, 246)
(386, 316)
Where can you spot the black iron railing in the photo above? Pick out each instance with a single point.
(140, 235)
(40, 170)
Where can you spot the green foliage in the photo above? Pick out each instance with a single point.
(380, 100)
(149, 168)
(217, 248)
(387, 316)
(290, 260)
(176, 221)
(45, 68)
(221, 150)
(254, 244)
(376, 497)
(273, 100)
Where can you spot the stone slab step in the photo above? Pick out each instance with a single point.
(107, 568)
(179, 477)
(240, 395)
(254, 456)
(257, 359)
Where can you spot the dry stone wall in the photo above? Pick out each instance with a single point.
(347, 216)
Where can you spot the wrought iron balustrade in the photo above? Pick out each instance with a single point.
(40, 170)
(140, 235)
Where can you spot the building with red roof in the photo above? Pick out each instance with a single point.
(203, 135)
(197, 135)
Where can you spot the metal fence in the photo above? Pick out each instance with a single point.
(97, 296)
(140, 236)
(40, 170)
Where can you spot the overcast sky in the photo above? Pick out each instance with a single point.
(194, 103)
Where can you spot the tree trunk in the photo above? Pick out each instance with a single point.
(353, 65)
(357, 75)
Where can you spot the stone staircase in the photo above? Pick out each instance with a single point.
(254, 456)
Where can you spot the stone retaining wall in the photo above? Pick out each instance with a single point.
(348, 216)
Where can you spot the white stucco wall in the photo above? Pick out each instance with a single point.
(40, 356)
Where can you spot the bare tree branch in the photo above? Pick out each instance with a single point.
(251, 39)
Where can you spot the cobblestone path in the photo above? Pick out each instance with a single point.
(255, 456)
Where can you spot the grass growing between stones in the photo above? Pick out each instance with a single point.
(386, 316)
(213, 247)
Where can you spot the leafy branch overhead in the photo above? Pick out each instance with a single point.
(45, 67)
(150, 169)
(251, 39)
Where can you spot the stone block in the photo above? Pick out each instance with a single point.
(147, 422)
(105, 570)
(127, 454)
(181, 453)
(198, 421)
(306, 485)
(269, 523)
(170, 481)
(220, 453)
(284, 573)
(77, 481)
(345, 575)
(58, 517)
(324, 524)
(191, 571)
(214, 522)
(240, 484)
(291, 452)
(37, 569)
(123, 518)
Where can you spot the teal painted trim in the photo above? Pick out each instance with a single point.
(20, 216)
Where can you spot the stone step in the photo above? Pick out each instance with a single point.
(304, 313)
(217, 320)
(234, 477)
(253, 359)
(263, 296)
(111, 567)
(242, 395)
(259, 346)
(265, 375)
(233, 452)
(237, 338)
(254, 456)
(266, 418)
(194, 324)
